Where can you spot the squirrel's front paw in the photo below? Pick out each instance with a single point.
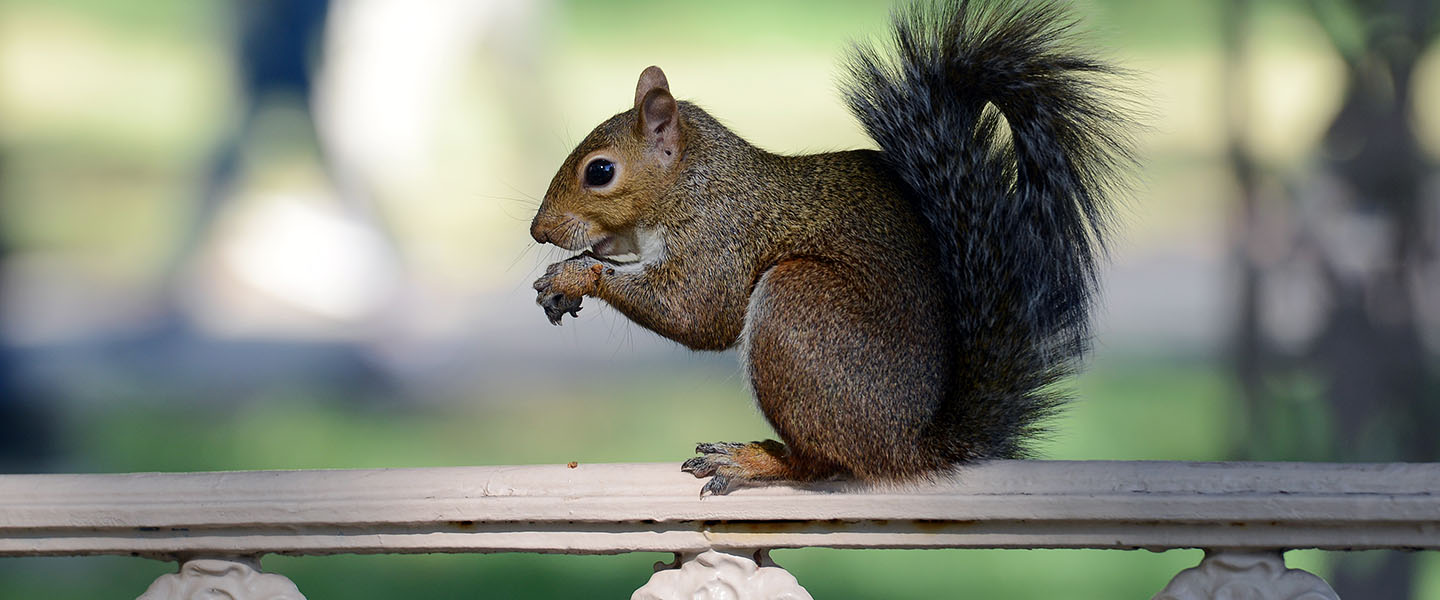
(564, 284)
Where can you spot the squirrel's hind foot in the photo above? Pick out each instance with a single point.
(732, 465)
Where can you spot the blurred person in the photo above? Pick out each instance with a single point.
(274, 51)
(370, 78)
(327, 261)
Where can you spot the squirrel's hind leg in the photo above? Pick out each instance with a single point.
(850, 374)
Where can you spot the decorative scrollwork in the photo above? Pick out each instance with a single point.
(1245, 576)
(221, 579)
(715, 575)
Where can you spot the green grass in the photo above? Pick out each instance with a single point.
(610, 421)
(1123, 412)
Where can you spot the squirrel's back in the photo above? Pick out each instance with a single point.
(1009, 150)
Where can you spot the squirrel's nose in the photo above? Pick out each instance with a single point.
(541, 235)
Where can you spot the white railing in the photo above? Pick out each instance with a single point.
(217, 525)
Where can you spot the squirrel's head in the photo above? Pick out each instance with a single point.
(611, 182)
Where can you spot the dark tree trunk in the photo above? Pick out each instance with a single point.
(1359, 240)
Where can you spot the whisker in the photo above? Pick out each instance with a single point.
(531, 199)
(508, 209)
(523, 251)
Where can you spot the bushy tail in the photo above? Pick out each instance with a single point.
(1010, 144)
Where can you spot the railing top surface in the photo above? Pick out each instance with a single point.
(625, 507)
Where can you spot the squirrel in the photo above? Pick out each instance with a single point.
(899, 311)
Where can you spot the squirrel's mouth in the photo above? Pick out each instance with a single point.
(618, 248)
(574, 233)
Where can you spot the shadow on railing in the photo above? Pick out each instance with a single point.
(218, 525)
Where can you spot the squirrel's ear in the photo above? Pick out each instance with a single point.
(660, 124)
(652, 77)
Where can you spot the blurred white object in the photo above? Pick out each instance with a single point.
(312, 256)
(389, 65)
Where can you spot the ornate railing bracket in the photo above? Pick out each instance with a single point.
(229, 578)
(1248, 575)
(723, 575)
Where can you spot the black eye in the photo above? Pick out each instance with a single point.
(599, 172)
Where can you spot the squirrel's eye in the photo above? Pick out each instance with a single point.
(599, 172)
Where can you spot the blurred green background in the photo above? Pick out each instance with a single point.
(214, 261)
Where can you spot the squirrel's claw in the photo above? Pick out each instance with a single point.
(557, 306)
(707, 465)
(719, 485)
(716, 461)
